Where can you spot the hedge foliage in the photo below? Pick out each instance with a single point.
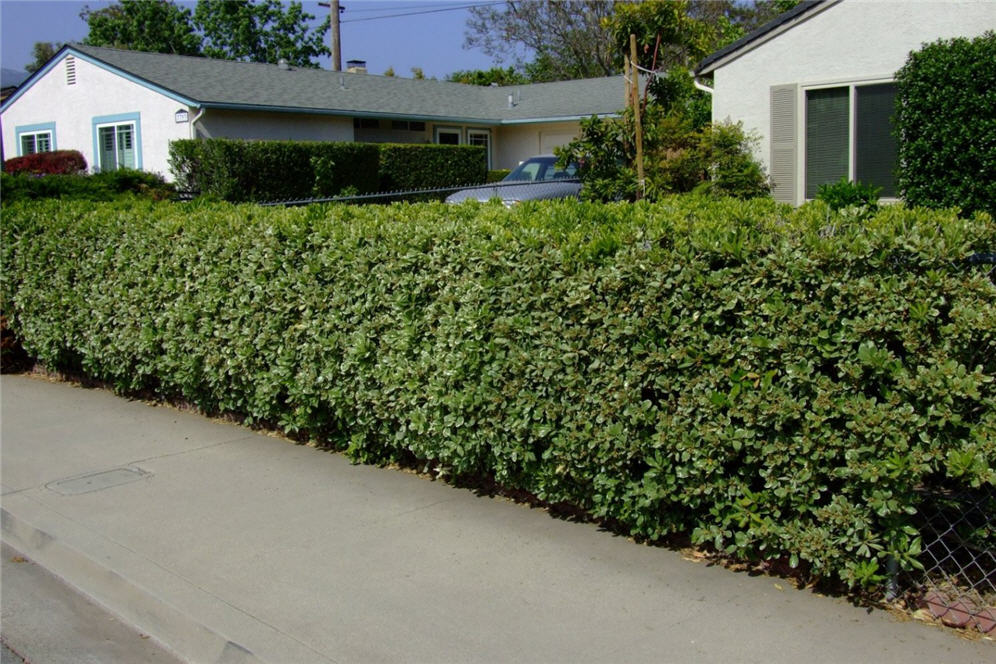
(55, 162)
(239, 171)
(777, 383)
(103, 186)
(259, 171)
(946, 123)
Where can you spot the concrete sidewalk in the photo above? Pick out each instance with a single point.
(232, 546)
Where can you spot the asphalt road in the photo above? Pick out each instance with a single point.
(46, 621)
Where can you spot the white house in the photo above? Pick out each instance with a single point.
(816, 85)
(122, 108)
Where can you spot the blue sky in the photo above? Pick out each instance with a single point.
(432, 40)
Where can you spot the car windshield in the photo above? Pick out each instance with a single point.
(540, 168)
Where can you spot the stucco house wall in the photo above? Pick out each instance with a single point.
(220, 123)
(96, 97)
(850, 41)
(520, 141)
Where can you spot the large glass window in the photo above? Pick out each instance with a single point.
(849, 134)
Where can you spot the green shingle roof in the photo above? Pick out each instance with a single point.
(230, 84)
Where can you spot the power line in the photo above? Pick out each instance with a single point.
(428, 11)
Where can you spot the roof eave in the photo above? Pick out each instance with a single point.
(764, 34)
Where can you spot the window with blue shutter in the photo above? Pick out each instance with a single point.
(117, 142)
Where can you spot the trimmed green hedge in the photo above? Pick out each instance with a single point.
(240, 171)
(261, 171)
(778, 383)
(407, 167)
(946, 123)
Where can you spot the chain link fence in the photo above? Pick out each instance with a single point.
(958, 582)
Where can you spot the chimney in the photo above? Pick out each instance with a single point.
(356, 66)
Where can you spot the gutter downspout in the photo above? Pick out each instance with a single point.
(193, 128)
(699, 85)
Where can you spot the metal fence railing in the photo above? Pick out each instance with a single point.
(958, 583)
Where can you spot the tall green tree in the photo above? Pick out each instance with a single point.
(158, 26)
(42, 52)
(567, 39)
(265, 31)
(493, 76)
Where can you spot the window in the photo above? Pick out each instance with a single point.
(448, 135)
(366, 123)
(35, 138)
(117, 147)
(117, 141)
(849, 134)
(482, 138)
(407, 125)
(37, 142)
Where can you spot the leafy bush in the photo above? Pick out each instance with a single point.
(776, 382)
(498, 174)
(57, 162)
(408, 167)
(946, 124)
(240, 171)
(847, 194)
(678, 158)
(104, 186)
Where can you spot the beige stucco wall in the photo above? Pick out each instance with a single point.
(96, 93)
(516, 143)
(274, 126)
(849, 42)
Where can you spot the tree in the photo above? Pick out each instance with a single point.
(42, 52)
(265, 31)
(389, 72)
(158, 26)
(493, 76)
(568, 39)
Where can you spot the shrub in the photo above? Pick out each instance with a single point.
(408, 167)
(104, 186)
(946, 124)
(847, 194)
(240, 171)
(775, 382)
(57, 162)
(678, 158)
(498, 174)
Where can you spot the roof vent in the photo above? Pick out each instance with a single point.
(70, 70)
(283, 64)
(356, 66)
(511, 101)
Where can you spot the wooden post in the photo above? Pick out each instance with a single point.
(640, 181)
(336, 43)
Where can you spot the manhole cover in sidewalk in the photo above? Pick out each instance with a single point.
(97, 481)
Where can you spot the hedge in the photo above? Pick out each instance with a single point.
(104, 186)
(56, 162)
(260, 171)
(946, 124)
(776, 383)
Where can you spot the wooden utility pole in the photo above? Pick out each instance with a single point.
(334, 40)
(640, 181)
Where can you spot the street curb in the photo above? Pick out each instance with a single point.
(109, 574)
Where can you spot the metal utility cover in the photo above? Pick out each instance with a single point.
(97, 481)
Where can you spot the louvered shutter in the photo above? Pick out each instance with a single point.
(784, 119)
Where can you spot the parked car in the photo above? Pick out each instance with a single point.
(537, 178)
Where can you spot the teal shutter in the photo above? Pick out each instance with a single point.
(876, 150)
(827, 148)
